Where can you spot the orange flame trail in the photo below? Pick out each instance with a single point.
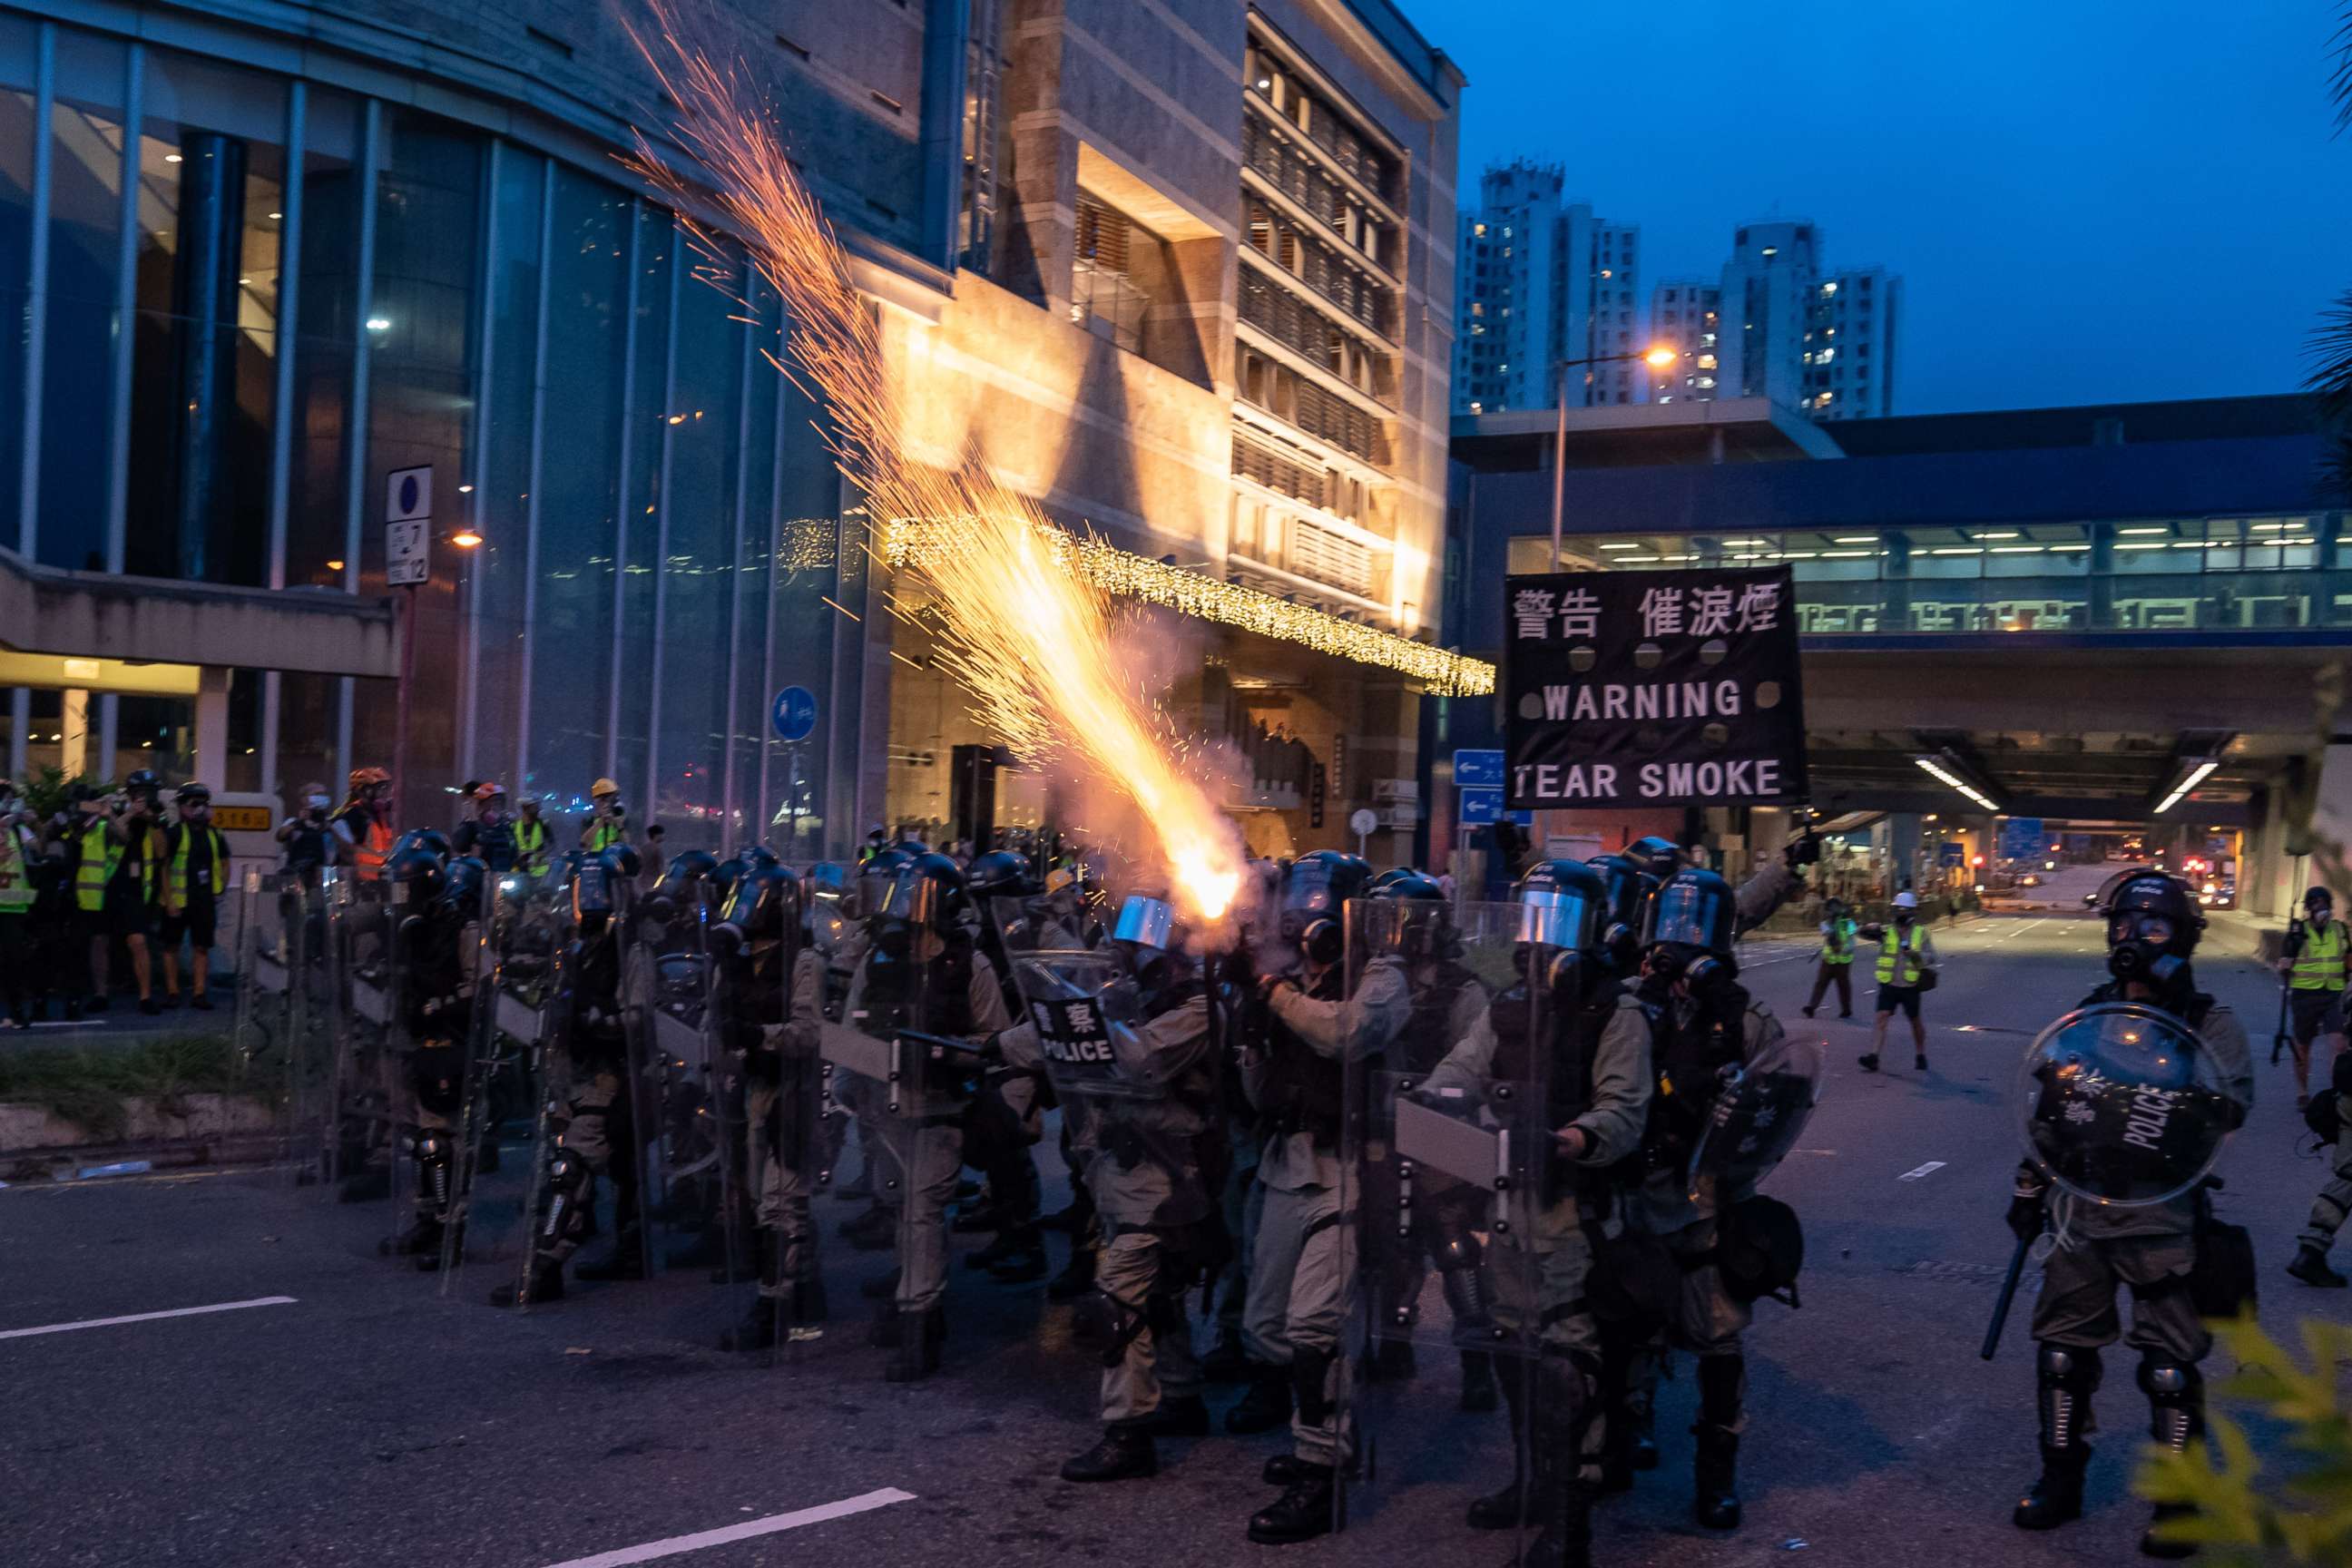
(1022, 632)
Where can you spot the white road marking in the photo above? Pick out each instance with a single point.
(1929, 1169)
(147, 1316)
(863, 1503)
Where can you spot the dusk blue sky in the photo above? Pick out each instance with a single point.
(2088, 200)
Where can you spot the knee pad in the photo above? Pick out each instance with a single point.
(2064, 1378)
(568, 1178)
(2176, 1400)
(432, 1169)
(1310, 1376)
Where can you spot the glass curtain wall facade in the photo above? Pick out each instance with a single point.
(236, 302)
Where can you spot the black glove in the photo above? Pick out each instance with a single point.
(2025, 1217)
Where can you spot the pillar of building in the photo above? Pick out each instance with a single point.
(74, 754)
(211, 728)
(1902, 849)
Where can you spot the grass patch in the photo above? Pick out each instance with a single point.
(88, 1088)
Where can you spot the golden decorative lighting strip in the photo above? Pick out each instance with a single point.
(1133, 576)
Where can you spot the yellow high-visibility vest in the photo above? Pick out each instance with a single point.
(1837, 947)
(99, 857)
(1886, 956)
(530, 845)
(188, 832)
(2320, 965)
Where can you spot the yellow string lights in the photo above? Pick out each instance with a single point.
(1133, 576)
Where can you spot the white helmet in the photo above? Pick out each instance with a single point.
(1906, 899)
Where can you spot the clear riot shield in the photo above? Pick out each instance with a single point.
(280, 1053)
(1449, 1187)
(509, 950)
(1758, 1114)
(364, 1157)
(2122, 1105)
(840, 943)
(686, 1176)
(881, 1057)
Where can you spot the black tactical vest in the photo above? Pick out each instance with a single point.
(1564, 1058)
(1305, 1090)
(1428, 1029)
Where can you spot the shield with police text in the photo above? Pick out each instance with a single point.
(2122, 1105)
(1756, 1118)
(1449, 1034)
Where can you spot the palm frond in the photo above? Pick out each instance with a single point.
(2329, 352)
(2340, 75)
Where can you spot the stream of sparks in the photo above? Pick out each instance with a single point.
(1022, 632)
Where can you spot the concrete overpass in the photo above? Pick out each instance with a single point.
(86, 633)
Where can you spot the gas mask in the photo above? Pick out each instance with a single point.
(2138, 950)
(1323, 941)
(893, 939)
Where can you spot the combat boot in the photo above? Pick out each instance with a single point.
(2152, 1545)
(2057, 1496)
(2310, 1266)
(1125, 1454)
(1266, 1405)
(1715, 1468)
(546, 1285)
(803, 1314)
(920, 1334)
(1562, 1510)
(1504, 1509)
(1302, 1512)
(423, 1236)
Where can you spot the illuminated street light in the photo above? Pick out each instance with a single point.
(465, 539)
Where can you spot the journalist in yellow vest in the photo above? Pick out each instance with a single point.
(16, 851)
(196, 874)
(117, 869)
(1836, 966)
(2316, 949)
(1906, 962)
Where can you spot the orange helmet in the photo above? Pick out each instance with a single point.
(363, 777)
(488, 790)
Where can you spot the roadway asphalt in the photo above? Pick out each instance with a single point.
(371, 1421)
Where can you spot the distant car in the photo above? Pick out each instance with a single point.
(2029, 880)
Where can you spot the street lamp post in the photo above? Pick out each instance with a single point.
(1658, 358)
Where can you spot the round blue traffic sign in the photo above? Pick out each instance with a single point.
(408, 495)
(793, 713)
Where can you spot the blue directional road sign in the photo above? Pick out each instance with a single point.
(793, 713)
(1478, 770)
(2021, 840)
(1949, 855)
(1480, 806)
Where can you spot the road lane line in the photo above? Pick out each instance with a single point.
(863, 1503)
(1929, 1169)
(147, 1316)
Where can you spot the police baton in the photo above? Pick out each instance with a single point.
(2280, 1038)
(2008, 1294)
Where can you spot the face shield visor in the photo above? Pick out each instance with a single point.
(1145, 922)
(1562, 917)
(1690, 916)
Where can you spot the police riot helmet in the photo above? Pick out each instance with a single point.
(1147, 921)
(431, 841)
(1661, 857)
(461, 890)
(911, 847)
(2153, 924)
(1315, 894)
(193, 794)
(1693, 921)
(1561, 905)
(687, 872)
(1629, 887)
(765, 903)
(876, 874)
(2318, 898)
(1000, 873)
(1407, 914)
(757, 854)
(927, 892)
(418, 870)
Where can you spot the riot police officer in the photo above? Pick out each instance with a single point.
(1002, 1122)
(596, 1135)
(1139, 1079)
(924, 973)
(2153, 923)
(437, 1000)
(1703, 1024)
(775, 990)
(1293, 1069)
(1569, 1024)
